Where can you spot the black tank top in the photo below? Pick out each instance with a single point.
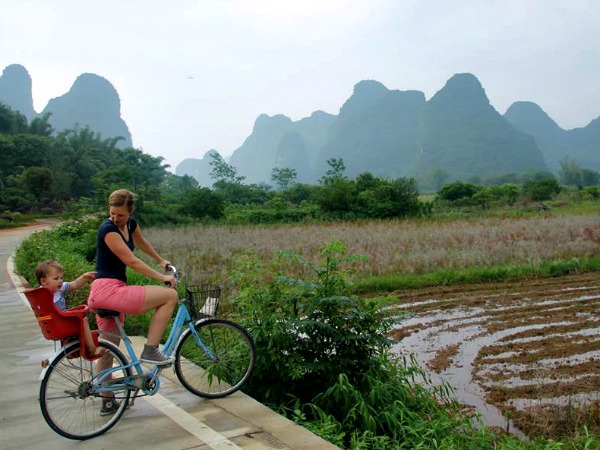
(108, 265)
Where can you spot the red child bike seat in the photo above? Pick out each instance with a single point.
(56, 324)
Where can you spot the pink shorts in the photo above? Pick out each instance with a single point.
(109, 293)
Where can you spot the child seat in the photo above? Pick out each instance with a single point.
(56, 324)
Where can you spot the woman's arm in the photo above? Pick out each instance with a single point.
(119, 248)
(142, 243)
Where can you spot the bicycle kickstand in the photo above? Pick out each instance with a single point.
(133, 397)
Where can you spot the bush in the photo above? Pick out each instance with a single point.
(370, 197)
(201, 203)
(591, 192)
(540, 190)
(458, 190)
(323, 358)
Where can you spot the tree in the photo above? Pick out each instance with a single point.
(381, 199)
(337, 196)
(540, 190)
(31, 151)
(507, 193)
(11, 122)
(570, 172)
(138, 171)
(335, 172)
(38, 182)
(174, 187)
(366, 181)
(40, 125)
(241, 194)
(589, 177)
(298, 193)
(221, 171)
(202, 202)
(458, 190)
(283, 177)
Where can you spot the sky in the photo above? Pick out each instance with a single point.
(194, 75)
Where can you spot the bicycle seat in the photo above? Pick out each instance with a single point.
(105, 313)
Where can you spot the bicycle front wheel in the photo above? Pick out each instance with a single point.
(219, 365)
(67, 403)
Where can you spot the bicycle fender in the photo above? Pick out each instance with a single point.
(46, 363)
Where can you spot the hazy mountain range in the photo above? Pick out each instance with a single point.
(389, 133)
(92, 101)
(393, 133)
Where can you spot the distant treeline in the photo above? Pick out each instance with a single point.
(76, 169)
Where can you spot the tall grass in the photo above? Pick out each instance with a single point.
(484, 248)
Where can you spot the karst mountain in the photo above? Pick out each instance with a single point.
(389, 133)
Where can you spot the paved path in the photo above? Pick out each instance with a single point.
(172, 419)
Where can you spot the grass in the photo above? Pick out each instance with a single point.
(445, 277)
(402, 253)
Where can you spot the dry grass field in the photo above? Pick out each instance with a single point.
(392, 247)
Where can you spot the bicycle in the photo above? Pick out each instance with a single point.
(214, 358)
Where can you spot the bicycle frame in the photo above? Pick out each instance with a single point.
(212, 357)
(147, 381)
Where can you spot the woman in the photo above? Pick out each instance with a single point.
(117, 237)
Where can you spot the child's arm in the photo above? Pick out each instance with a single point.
(79, 282)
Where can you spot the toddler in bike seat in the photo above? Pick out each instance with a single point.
(49, 275)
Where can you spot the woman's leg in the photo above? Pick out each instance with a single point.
(163, 300)
(106, 360)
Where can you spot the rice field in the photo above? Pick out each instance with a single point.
(525, 355)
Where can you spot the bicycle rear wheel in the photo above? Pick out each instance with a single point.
(227, 365)
(65, 399)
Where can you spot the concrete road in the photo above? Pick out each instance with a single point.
(171, 419)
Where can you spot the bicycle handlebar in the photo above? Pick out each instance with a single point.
(170, 268)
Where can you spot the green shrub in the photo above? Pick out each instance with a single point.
(540, 190)
(323, 357)
(458, 190)
(591, 192)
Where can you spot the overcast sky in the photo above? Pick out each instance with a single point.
(194, 75)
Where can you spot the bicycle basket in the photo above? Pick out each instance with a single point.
(203, 300)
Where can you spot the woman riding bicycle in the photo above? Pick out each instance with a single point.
(116, 239)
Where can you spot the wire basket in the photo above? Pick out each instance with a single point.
(203, 300)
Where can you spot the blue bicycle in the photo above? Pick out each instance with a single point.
(213, 358)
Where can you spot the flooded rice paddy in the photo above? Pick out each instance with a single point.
(525, 355)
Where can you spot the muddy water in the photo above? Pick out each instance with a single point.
(508, 348)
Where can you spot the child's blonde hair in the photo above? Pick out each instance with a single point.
(42, 269)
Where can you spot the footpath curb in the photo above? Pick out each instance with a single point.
(18, 282)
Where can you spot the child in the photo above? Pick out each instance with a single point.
(50, 275)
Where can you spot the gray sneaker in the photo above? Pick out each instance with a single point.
(152, 355)
(109, 406)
